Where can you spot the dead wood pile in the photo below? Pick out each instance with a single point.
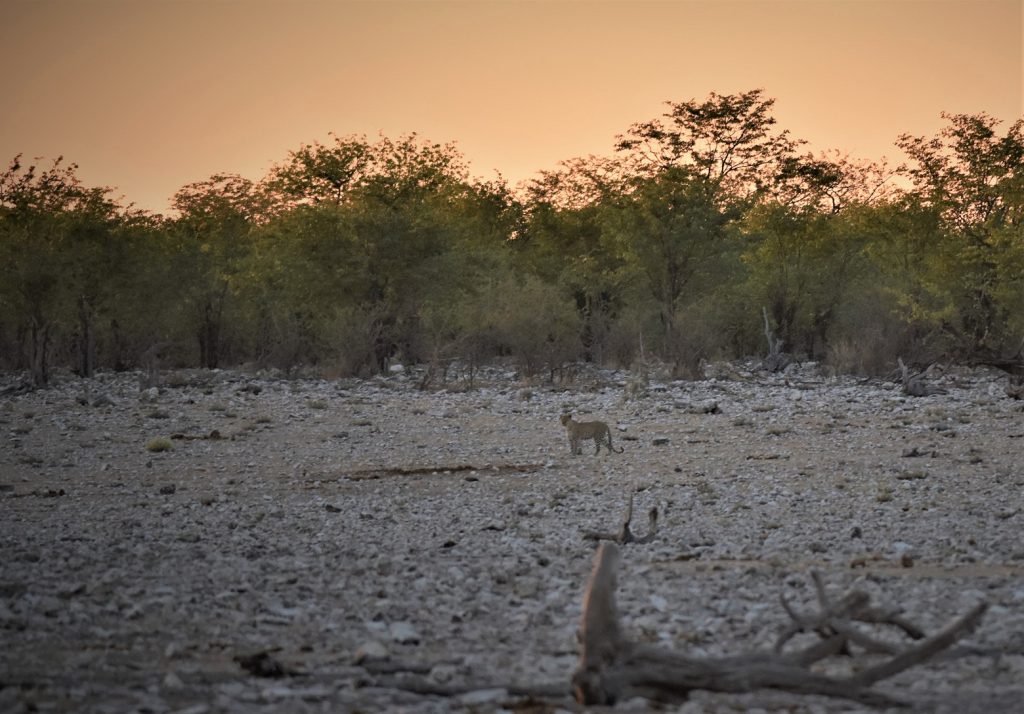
(914, 384)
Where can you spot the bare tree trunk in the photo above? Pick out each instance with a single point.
(209, 337)
(119, 347)
(40, 368)
(777, 360)
(151, 365)
(264, 331)
(86, 339)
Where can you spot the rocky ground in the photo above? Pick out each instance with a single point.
(314, 545)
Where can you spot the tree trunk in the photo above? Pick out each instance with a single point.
(817, 343)
(264, 337)
(120, 358)
(86, 339)
(40, 368)
(383, 343)
(209, 337)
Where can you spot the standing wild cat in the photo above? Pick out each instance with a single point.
(580, 431)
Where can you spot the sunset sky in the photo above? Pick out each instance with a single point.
(149, 95)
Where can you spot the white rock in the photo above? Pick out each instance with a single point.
(404, 633)
(172, 681)
(194, 709)
(369, 650)
(443, 673)
(483, 696)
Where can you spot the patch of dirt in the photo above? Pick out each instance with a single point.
(377, 547)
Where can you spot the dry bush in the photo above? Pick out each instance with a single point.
(287, 343)
(869, 356)
(695, 339)
(621, 344)
(869, 336)
(872, 350)
(158, 444)
(346, 341)
(536, 325)
(633, 338)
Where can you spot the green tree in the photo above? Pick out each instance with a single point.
(971, 178)
(565, 242)
(315, 173)
(677, 243)
(698, 168)
(411, 229)
(212, 235)
(802, 265)
(727, 142)
(60, 248)
(146, 293)
(805, 243)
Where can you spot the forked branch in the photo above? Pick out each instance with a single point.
(612, 668)
(625, 534)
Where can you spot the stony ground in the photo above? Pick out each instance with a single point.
(384, 548)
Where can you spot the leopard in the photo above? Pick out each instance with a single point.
(580, 431)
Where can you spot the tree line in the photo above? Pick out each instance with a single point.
(352, 253)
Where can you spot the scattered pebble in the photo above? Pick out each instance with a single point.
(457, 554)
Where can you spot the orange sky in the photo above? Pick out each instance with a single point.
(149, 95)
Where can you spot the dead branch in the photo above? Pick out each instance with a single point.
(625, 535)
(914, 384)
(838, 619)
(612, 668)
(777, 360)
(924, 651)
(264, 664)
(439, 366)
(373, 474)
(20, 387)
(214, 435)
(150, 359)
